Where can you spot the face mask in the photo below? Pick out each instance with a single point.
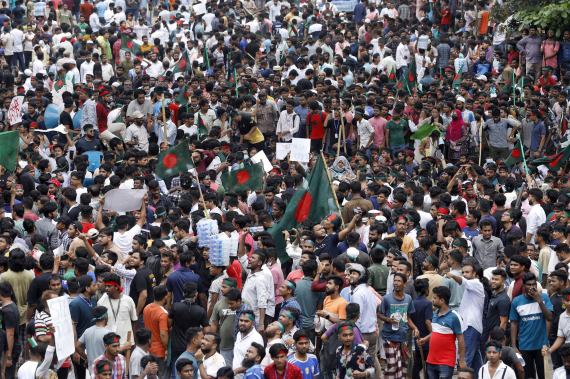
(489, 160)
(342, 19)
(268, 264)
(454, 117)
(478, 118)
(370, 52)
(245, 156)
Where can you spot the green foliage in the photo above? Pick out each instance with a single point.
(553, 14)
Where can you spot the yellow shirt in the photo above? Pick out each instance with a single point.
(407, 246)
(148, 47)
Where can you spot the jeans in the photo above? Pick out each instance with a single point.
(472, 352)
(439, 371)
(27, 58)
(76, 14)
(140, 322)
(397, 147)
(227, 354)
(418, 364)
(174, 358)
(19, 58)
(534, 363)
(102, 21)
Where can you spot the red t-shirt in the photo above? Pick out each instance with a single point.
(446, 16)
(102, 114)
(462, 221)
(291, 372)
(316, 124)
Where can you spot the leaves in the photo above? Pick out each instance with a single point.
(552, 14)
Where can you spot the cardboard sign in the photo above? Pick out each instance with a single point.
(15, 111)
(283, 148)
(300, 149)
(261, 157)
(61, 318)
(123, 200)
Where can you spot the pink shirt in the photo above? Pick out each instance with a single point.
(549, 49)
(379, 125)
(278, 280)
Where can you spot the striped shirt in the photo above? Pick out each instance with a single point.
(444, 329)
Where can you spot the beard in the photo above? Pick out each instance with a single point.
(248, 363)
(19, 197)
(206, 351)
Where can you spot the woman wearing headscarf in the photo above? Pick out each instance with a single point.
(340, 170)
(456, 135)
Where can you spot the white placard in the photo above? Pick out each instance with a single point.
(123, 200)
(61, 319)
(60, 129)
(300, 149)
(15, 111)
(261, 157)
(200, 8)
(58, 250)
(39, 9)
(283, 148)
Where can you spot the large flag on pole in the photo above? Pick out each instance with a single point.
(183, 64)
(314, 200)
(9, 149)
(127, 44)
(250, 178)
(174, 160)
(554, 162)
(516, 156)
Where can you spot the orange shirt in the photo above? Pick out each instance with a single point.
(484, 23)
(156, 319)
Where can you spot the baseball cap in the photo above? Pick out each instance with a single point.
(84, 282)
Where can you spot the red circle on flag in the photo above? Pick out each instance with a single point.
(242, 177)
(60, 83)
(399, 85)
(516, 153)
(411, 77)
(304, 208)
(130, 45)
(456, 77)
(185, 94)
(182, 63)
(391, 77)
(170, 160)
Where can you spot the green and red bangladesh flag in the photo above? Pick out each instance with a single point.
(127, 44)
(59, 82)
(408, 80)
(183, 64)
(457, 79)
(182, 97)
(9, 149)
(554, 162)
(517, 154)
(201, 125)
(314, 200)
(249, 178)
(174, 160)
(392, 77)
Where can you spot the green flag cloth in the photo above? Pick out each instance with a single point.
(457, 79)
(183, 64)
(182, 97)
(516, 156)
(554, 162)
(392, 78)
(424, 131)
(250, 178)
(127, 44)
(314, 200)
(201, 126)
(174, 160)
(508, 87)
(59, 83)
(9, 149)
(409, 79)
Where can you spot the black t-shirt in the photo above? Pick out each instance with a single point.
(8, 79)
(122, 79)
(37, 287)
(305, 84)
(557, 305)
(333, 127)
(499, 305)
(252, 49)
(184, 319)
(246, 124)
(64, 119)
(11, 319)
(143, 280)
(237, 57)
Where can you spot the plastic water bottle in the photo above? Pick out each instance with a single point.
(413, 344)
(398, 317)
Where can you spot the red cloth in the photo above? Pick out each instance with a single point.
(102, 114)
(544, 83)
(86, 9)
(462, 221)
(205, 162)
(518, 288)
(446, 16)
(234, 271)
(316, 126)
(174, 111)
(292, 372)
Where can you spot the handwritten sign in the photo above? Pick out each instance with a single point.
(261, 157)
(300, 149)
(39, 9)
(199, 8)
(123, 200)
(61, 318)
(282, 150)
(15, 111)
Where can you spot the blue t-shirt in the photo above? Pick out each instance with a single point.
(470, 233)
(309, 368)
(189, 356)
(532, 324)
(82, 313)
(390, 307)
(254, 372)
(538, 130)
(101, 8)
(328, 245)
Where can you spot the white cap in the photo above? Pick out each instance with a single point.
(367, 21)
(67, 35)
(28, 72)
(482, 77)
(352, 253)
(72, 61)
(116, 84)
(460, 98)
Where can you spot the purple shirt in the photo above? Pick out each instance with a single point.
(357, 336)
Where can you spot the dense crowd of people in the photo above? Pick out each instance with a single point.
(444, 136)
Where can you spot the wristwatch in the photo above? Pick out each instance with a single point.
(327, 316)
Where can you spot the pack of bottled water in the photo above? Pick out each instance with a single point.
(234, 244)
(205, 228)
(216, 247)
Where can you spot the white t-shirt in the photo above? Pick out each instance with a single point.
(125, 311)
(125, 241)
